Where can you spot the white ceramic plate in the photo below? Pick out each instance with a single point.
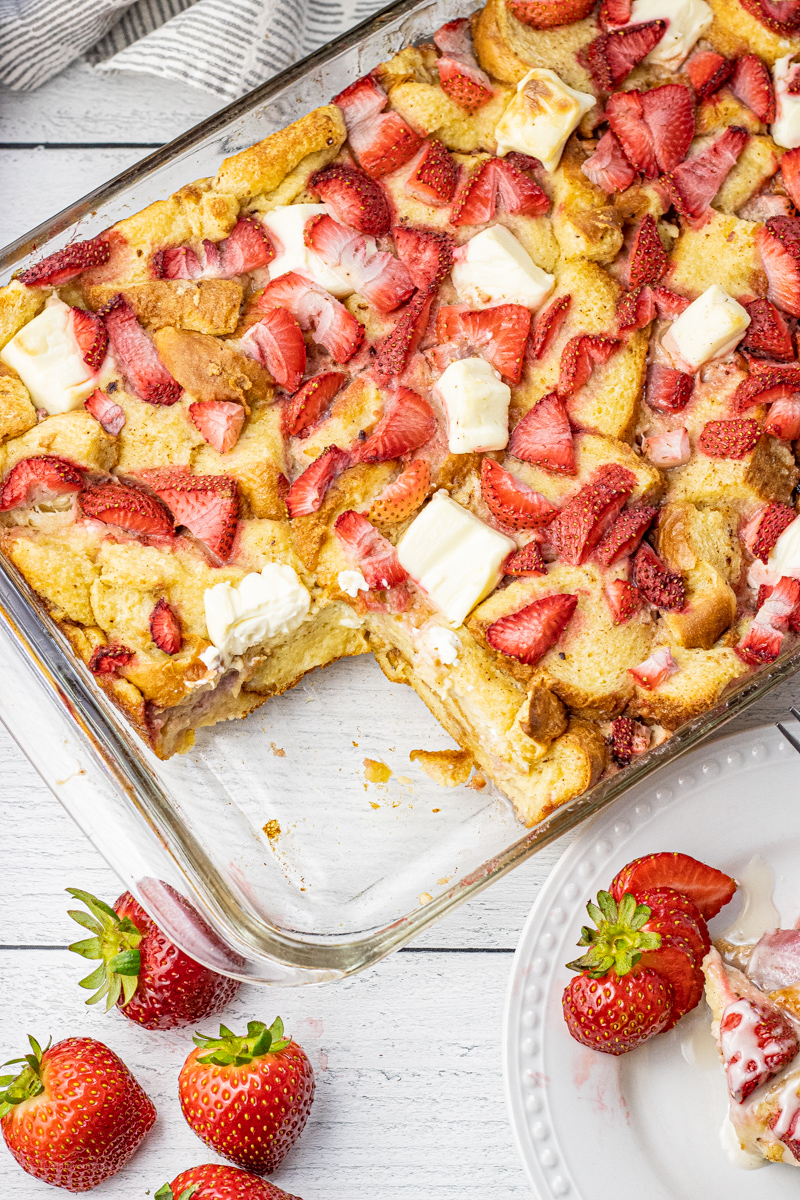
(646, 1125)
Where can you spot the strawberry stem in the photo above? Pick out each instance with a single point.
(619, 940)
(14, 1089)
(166, 1193)
(115, 942)
(230, 1050)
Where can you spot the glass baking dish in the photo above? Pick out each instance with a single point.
(265, 852)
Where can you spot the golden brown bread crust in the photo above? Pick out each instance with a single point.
(209, 369)
(263, 167)
(210, 306)
(734, 32)
(508, 49)
(18, 305)
(448, 768)
(17, 414)
(700, 681)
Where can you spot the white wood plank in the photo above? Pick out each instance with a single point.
(409, 1095)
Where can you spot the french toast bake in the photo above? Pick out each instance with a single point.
(488, 367)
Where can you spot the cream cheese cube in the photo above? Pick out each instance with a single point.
(263, 605)
(46, 356)
(452, 556)
(286, 226)
(541, 116)
(687, 21)
(493, 267)
(711, 327)
(476, 402)
(784, 557)
(786, 127)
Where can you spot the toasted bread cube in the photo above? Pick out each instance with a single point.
(427, 108)
(73, 435)
(195, 212)
(768, 472)
(257, 461)
(263, 167)
(591, 452)
(586, 225)
(734, 33)
(722, 251)
(448, 768)
(573, 763)
(209, 306)
(17, 413)
(210, 369)
(757, 163)
(699, 682)
(18, 305)
(155, 435)
(60, 573)
(507, 49)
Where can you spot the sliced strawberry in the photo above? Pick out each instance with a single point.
(625, 534)
(635, 309)
(392, 352)
(176, 262)
(628, 738)
(165, 628)
(246, 248)
(128, 508)
(654, 670)
(668, 303)
(625, 117)
(137, 355)
(614, 12)
(608, 168)
(459, 73)
(707, 888)
(90, 334)
(356, 199)
(426, 253)
(783, 418)
(110, 415)
(548, 326)
(667, 904)
(694, 184)
(776, 612)
(109, 660)
(778, 242)
(526, 561)
(674, 961)
(380, 277)
(757, 1040)
(729, 439)
(309, 403)
(39, 479)
(790, 173)
(761, 644)
(764, 205)
(548, 14)
(512, 502)
(329, 322)
(528, 634)
(612, 56)
(662, 587)
(763, 387)
(219, 421)
(207, 505)
(404, 496)
(381, 141)
(648, 258)
(624, 600)
(307, 492)
(767, 335)
(276, 340)
(762, 532)
(752, 84)
(66, 264)
(584, 519)
(433, 175)
(669, 449)
(375, 556)
(708, 71)
(779, 16)
(669, 114)
(499, 333)
(544, 436)
(497, 183)
(667, 390)
(408, 422)
(579, 358)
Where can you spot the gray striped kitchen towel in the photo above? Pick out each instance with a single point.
(221, 46)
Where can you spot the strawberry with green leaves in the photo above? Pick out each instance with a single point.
(212, 1181)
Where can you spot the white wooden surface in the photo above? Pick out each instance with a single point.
(409, 1103)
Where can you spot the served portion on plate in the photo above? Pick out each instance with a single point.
(487, 367)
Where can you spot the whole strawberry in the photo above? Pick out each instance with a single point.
(248, 1097)
(142, 971)
(74, 1115)
(213, 1181)
(616, 1013)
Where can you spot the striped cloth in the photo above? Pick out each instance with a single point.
(221, 46)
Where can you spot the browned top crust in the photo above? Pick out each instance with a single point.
(210, 306)
(210, 369)
(261, 168)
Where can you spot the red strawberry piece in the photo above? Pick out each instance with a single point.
(127, 507)
(669, 115)
(38, 479)
(752, 84)
(707, 888)
(761, 644)
(433, 175)
(109, 660)
(612, 56)
(655, 669)
(403, 496)
(460, 76)
(764, 205)
(625, 117)
(246, 248)
(66, 264)
(407, 423)
(729, 439)
(783, 418)
(356, 199)
(708, 71)
(625, 534)
(426, 253)
(675, 962)
(207, 505)
(497, 183)
(624, 600)
(374, 555)
(381, 141)
(763, 387)
(584, 519)
(528, 634)
(392, 352)
(614, 1013)
(648, 258)
(779, 16)
(579, 358)
(608, 168)
(306, 494)
(668, 303)
(757, 1040)
(310, 402)
(627, 739)
(549, 14)
(790, 173)
(212, 1181)
(544, 436)
(219, 421)
(276, 340)
(90, 334)
(176, 262)
(669, 449)
(137, 355)
(666, 904)
(526, 561)
(778, 242)
(165, 628)
(636, 309)
(248, 1097)
(767, 335)
(762, 532)
(694, 184)
(512, 502)
(658, 584)
(380, 278)
(548, 326)
(329, 322)
(499, 333)
(614, 12)
(110, 415)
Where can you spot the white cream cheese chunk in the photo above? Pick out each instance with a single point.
(452, 556)
(495, 268)
(542, 115)
(687, 21)
(46, 356)
(286, 226)
(443, 644)
(476, 402)
(784, 557)
(264, 605)
(352, 582)
(711, 327)
(785, 129)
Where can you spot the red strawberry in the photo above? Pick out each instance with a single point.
(767, 335)
(584, 519)
(380, 277)
(729, 439)
(308, 490)
(246, 248)
(544, 436)
(248, 1097)
(110, 660)
(648, 258)
(212, 1181)
(219, 421)
(331, 325)
(655, 669)
(137, 355)
(500, 333)
(762, 532)
(625, 534)
(90, 334)
(128, 508)
(548, 14)
(612, 56)
(207, 505)
(624, 600)
(783, 419)
(629, 738)
(310, 402)
(426, 253)
(381, 141)
(668, 303)
(579, 358)
(497, 183)
(669, 449)
(276, 340)
(65, 264)
(667, 390)
(165, 628)
(694, 184)
(763, 387)
(407, 423)
(675, 961)
(669, 115)
(433, 175)
(392, 352)
(460, 76)
(356, 199)
(74, 1115)
(404, 496)
(636, 309)
(707, 888)
(176, 262)
(528, 634)
(662, 587)
(708, 71)
(779, 16)
(110, 415)
(528, 560)
(667, 905)
(757, 1040)
(778, 242)
(548, 326)
(370, 550)
(512, 502)
(790, 172)
(625, 117)
(752, 84)
(608, 168)
(38, 479)
(614, 12)
(617, 1013)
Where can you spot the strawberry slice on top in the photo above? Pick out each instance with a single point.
(128, 508)
(306, 494)
(378, 276)
(407, 423)
(548, 326)
(106, 411)
(404, 495)
(752, 84)
(511, 502)
(381, 141)
(584, 519)
(433, 175)
(662, 587)
(276, 340)
(309, 403)
(648, 258)
(165, 628)
(369, 549)
(579, 358)
(67, 264)
(528, 634)
(459, 74)
(528, 560)
(763, 530)
(656, 669)
(206, 505)
(708, 71)
(497, 184)
(91, 336)
(666, 389)
(137, 355)
(314, 310)
(426, 253)
(219, 421)
(499, 334)
(694, 183)
(608, 168)
(729, 439)
(625, 534)
(393, 352)
(779, 16)
(767, 335)
(612, 56)
(544, 436)
(625, 601)
(778, 242)
(356, 199)
(549, 14)
(655, 128)
(39, 479)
